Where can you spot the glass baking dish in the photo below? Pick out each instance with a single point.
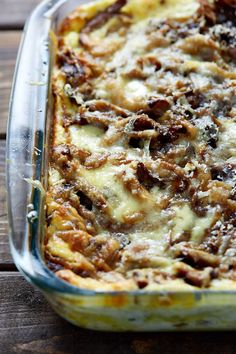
(28, 141)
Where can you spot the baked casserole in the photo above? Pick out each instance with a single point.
(142, 178)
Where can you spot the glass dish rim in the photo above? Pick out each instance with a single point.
(49, 281)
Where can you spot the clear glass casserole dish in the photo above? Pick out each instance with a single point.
(27, 147)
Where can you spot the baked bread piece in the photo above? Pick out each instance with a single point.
(142, 179)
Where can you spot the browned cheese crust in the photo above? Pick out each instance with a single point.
(142, 179)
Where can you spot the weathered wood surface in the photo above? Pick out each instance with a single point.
(14, 12)
(9, 42)
(5, 258)
(28, 325)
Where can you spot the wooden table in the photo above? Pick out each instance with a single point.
(27, 324)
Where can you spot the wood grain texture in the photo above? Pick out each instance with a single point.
(28, 325)
(5, 257)
(9, 42)
(14, 12)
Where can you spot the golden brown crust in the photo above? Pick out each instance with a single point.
(142, 181)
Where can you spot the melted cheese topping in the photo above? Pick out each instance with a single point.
(142, 180)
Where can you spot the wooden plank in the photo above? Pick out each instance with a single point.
(9, 42)
(14, 12)
(28, 325)
(5, 257)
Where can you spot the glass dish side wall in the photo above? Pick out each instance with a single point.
(27, 145)
(25, 136)
(28, 137)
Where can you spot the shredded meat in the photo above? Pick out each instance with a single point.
(157, 106)
(99, 20)
(195, 277)
(146, 178)
(197, 258)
